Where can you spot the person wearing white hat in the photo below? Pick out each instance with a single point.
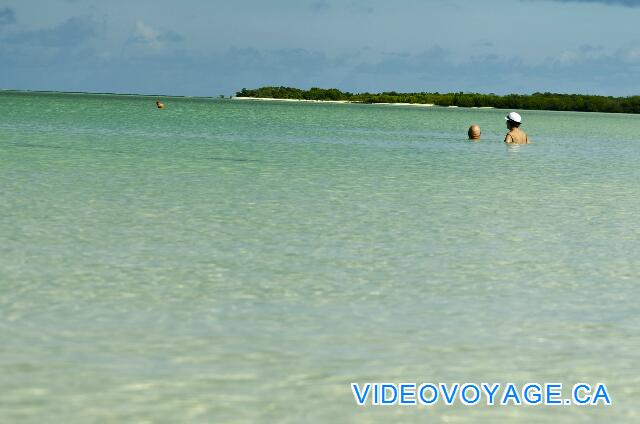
(515, 134)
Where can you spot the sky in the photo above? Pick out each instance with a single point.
(213, 47)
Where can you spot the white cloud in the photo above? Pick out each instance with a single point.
(153, 38)
(583, 54)
(568, 57)
(633, 55)
(145, 32)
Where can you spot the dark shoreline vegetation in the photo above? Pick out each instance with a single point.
(535, 101)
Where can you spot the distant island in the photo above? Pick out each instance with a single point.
(535, 101)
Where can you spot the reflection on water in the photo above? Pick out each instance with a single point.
(513, 148)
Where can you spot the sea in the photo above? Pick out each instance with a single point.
(242, 261)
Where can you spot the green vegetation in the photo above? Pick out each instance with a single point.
(535, 101)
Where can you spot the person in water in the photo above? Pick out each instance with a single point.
(474, 132)
(515, 134)
(159, 104)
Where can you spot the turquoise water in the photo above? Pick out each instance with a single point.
(243, 261)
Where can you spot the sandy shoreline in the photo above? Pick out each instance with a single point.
(271, 99)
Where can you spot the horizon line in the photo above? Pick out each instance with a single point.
(99, 93)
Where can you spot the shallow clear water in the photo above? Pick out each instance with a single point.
(243, 261)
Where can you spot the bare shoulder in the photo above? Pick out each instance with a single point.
(508, 138)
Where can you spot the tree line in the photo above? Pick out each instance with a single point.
(535, 101)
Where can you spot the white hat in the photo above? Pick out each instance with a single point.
(513, 116)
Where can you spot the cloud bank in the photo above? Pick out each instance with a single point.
(627, 3)
(177, 72)
(68, 34)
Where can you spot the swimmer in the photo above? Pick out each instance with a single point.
(474, 132)
(159, 104)
(515, 134)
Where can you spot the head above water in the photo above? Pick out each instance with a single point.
(474, 132)
(513, 120)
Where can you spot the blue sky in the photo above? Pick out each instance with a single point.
(211, 47)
